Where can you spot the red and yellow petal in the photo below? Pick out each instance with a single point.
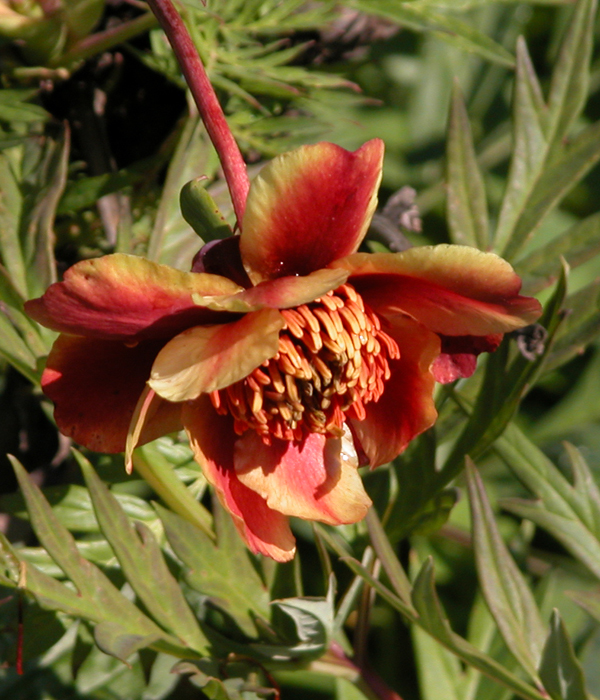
(281, 293)
(212, 438)
(95, 386)
(308, 207)
(316, 479)
(127, 297)
(453, 290)
(406, 407)
(208, 358)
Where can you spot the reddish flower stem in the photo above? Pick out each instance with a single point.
(370, 682)
(204, 95)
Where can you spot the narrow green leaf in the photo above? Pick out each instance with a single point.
(424, 597)
(72, 505)
(14, 107)
(529, 147)
(506, 592)
(391, 564)
(560, 670)
(15, 351)
(439, 670)
(585, 486)
(570, 77)
(466, 200)
(85, 192)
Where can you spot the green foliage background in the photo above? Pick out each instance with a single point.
(476, 583)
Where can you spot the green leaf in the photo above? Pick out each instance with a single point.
(570, 77)
(506, 592)
(445, 27)
(114, 640)
(577, 245)
(570, 512)
(466, 201)
(556, 179)
(579, 327)
(439, 670)
(37, 226)
(172, 242)
(72, 506)
(542, 169)
(11, 205)
(95, 599)
(143, 564)
(560, 671)
(313, 623)
(14, 107)
(14, 350)
(529, 146)
(85, 192)
(216, 571)
(432, 619)
(389, 560)
(588, 600)
(201, 212)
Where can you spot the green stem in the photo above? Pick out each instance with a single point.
(154, 468)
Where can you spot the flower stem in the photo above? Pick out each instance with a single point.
(204, 95)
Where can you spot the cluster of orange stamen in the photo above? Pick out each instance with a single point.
(333, 359)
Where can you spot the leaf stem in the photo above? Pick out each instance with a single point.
(204, 95)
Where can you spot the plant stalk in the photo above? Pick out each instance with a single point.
(204, 95)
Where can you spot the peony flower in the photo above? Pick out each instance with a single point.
(289, 358)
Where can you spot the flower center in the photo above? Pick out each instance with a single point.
(332, 360)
